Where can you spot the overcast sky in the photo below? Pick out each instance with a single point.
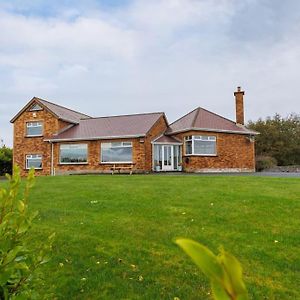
(120, 57)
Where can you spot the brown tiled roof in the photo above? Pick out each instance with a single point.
(136, 125)
(202, 119)
(167, 139)
(59, 111)
(63, 113)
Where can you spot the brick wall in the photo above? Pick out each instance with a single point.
(34, 145)
(141, 153)
(158, 129)
(94, 164)
(235, 152)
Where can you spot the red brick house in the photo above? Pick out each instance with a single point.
(57, 140)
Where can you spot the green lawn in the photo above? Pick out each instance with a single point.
(115, 234)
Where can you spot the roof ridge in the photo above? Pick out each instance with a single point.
(117, 116)
(196, 116)
(78, 112)
(183, 116)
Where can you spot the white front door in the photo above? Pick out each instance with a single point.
(167, 158)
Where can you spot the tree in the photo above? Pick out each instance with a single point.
(6, 157)
(279, 138)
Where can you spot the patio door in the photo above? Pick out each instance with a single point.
(167, 158)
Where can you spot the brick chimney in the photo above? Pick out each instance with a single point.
(239, 106)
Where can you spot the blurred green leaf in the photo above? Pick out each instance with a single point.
(203, 258)
(218, 291)
(21, 206)
(224, 270)
(234, 273)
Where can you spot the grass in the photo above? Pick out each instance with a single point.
(115, 234)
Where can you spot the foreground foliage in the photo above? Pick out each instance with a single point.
(224, 271)
(17, 260)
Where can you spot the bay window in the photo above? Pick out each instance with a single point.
(73, 153)
(200, 145)
(116, 152)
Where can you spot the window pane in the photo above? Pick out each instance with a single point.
(204, 147)
(175, 149)
(115, 153)
(34, 161)
(34, 128)
(73, 153)
(203, 138)
(157, 155)
(116, 144)
(188, 147)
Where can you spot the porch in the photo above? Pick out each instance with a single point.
(167, 155)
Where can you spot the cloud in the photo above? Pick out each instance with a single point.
(170, 55)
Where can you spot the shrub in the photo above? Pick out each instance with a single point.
(17, 261)
(264, 163)
(5, 160)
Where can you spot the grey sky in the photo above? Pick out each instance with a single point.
(119, 57)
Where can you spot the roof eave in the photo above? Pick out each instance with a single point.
(94, 138)
(166, 143)
(161, 135)
(213, 130)
(68, 121)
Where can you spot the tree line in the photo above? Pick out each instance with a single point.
(279, 138)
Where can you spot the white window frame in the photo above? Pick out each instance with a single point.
(31, 124)
(123, 144)
(74, 163)
(33, 156)
(192, 138)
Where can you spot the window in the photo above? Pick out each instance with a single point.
(34, 128)
(200, 145)
(34, 161)
(188, 145)
(73, 153)
(116, 152)
(177, 156)
(35, 107)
